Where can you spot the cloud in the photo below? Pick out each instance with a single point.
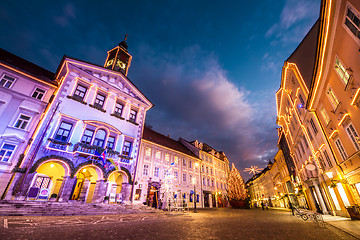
(68, 14)
(195, 99)
(297, 16)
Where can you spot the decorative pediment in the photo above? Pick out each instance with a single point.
(13, 138)
(102, 124)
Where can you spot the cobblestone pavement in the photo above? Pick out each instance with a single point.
(206, 224)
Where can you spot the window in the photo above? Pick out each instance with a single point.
(42, 182)
(38, 93)
(137, 194)
(63, 132)
(301, 100)
(204, 181)
(126, 148)
(22, 121)
(325, 115)
(353, 135)
(190, 164)
(111, 142)
(184, 177)
(327, 159)
(80, 92)
(176, 175)
(6, 81)
(306, 144)
(100, 138)
(352, 22)
(208, 182)
(341, 71)
(313, 126)
(202, 168)
(167, 157)
(87, 137)
(146, 170)
(212, 182)
(156, 172)
(148, 152)
(322, 163)
(207, 169)
(118, 108)
(132, 116)
(176, 159)
(309, 133)
(99, 100)
(6, 152)
(184, 162)
(302, 147)
(211, 171)
(341, 149)
(332, 97)
(157, 154)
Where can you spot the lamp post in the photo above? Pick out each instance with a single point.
(194, 182)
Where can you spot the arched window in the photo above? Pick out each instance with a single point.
(99, 138)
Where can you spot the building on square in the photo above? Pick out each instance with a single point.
(318, 109)
(167, 172)
(87, 145)
(214, 173)
(25, 90)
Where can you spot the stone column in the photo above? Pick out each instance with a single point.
(100, 191)
(320, 198)
(66, 188)
(126, 191)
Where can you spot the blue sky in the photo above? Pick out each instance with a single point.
(211, 68)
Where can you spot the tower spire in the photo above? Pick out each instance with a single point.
(118, 58)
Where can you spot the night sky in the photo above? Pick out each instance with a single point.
(211, 68)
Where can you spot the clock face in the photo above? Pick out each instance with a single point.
(121, 64)
(110, 62)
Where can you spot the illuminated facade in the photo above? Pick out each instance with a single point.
(214, 173)
(166, 172)
(89, 139)
(25, 90)
(317, 106)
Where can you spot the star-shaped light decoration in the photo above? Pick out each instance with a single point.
(253, 169)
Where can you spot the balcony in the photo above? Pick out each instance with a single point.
(87, 148)
(58, 144)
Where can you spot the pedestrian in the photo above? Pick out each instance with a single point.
(292, 208)
(266, 205)
(262, 205)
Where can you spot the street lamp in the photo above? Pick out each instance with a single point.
(194, 182)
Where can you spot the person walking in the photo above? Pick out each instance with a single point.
(262, 205)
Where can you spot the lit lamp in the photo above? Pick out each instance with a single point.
(334, 182)
(194, 182)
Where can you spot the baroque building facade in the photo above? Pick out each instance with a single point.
(25, 90)
(87, 144)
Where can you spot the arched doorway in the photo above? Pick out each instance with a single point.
(85, 184)
(49, 175)
(115, 186)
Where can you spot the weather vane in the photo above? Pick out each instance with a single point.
(252, 169)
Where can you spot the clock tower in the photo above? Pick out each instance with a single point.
(118, 58)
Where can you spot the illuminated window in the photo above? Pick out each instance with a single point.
(148, 152)
(99, 100)
(110, 142)
(42, 182)
(80, 92)
(87, 136)
(63, 132)
(22, 121)
(352, 22)
(6, 81)
(146, 170)
(176, 160)
(132, 116)
(158, 155)
(184, 162)
(353, 136)
(156, 172)
(118, 108)
(38, 93)
(100, 138)
(332, 97)
(341, 149)
(167, 157)
(325, 115)
(328, 159)
(137, 194)
(341, 71)
(126, 148)
(6, 152)
(313, 126)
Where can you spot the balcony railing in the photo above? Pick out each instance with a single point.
(58, 144)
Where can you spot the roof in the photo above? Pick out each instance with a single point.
(27, 67)
(158, 138)
(305, 54)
